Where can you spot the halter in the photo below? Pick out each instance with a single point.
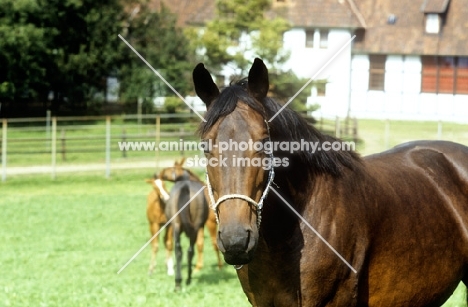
(258, 205)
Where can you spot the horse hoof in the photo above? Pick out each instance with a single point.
(170, 272)
(177, 288)
(188, 282)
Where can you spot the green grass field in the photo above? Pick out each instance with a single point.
(62, 243)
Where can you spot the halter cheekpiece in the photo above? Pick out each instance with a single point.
(258, 205)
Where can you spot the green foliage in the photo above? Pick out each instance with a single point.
(173, 104)
(285, 85)
(223, 43)
(156, 37)
(64, 47)
(61, 52)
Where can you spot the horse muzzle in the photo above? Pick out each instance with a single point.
(237, 245)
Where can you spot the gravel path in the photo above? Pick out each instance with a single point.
(44, 169)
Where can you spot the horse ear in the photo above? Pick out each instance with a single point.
(258, 80)
(205, 88)
(181, 163)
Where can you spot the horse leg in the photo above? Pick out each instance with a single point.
(178, 254)
(154, 228)
(190, 253)
(200, 243)
(212, 228)
(169, 247)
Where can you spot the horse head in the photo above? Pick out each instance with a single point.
(238, 167)
(175, 173)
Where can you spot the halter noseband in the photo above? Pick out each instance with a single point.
(258, 205)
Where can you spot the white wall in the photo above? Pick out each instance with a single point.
(402, 98)
(309, 62)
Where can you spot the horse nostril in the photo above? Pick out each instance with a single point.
(249, 233)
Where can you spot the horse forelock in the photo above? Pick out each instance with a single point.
(227, 102)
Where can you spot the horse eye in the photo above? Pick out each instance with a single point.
(204, 144)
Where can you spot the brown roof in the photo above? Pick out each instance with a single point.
(407, 34)
(435, 6)
(300, 13)
(189, 12)
(318, 13)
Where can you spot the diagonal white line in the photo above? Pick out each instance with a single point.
(160, 76)
(162, 228)
(315, 231)
(313, 77)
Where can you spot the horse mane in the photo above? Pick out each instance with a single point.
(288, 126)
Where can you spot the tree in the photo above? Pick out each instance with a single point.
(241, 31)
(155, 36)
(60, 53)
(57, 52)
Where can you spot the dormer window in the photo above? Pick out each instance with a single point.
(432, 23)
(434, 13)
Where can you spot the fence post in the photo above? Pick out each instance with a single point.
(439, 130)
(63, 140)
(181, 131)
(48, 120)
(124, 139)
(337, 128)
(108, 145)
(387, 134)
(4, 149)
(54, 146)
(355, 130)
(158, 138)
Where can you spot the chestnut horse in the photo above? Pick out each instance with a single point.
(178, 173)
(155, 206)
(390, 229)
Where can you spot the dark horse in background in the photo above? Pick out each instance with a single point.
(399, 218)
(188, 207)
(179, 173)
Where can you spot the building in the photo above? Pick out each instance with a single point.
(408, 60)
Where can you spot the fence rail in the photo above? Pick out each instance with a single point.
(53, 142)
(56, 144)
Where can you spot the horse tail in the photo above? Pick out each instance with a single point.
(183, 199)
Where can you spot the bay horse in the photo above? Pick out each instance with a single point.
(188, 211)
(398, 219)
(178, 173)
(155, 207)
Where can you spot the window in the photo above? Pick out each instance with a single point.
(323, 39)
(310, 38)
(429, 75)
(432, 23)
(320, 35)
(321, 87)
(461, 83)
(445, 75)
(377, 72)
